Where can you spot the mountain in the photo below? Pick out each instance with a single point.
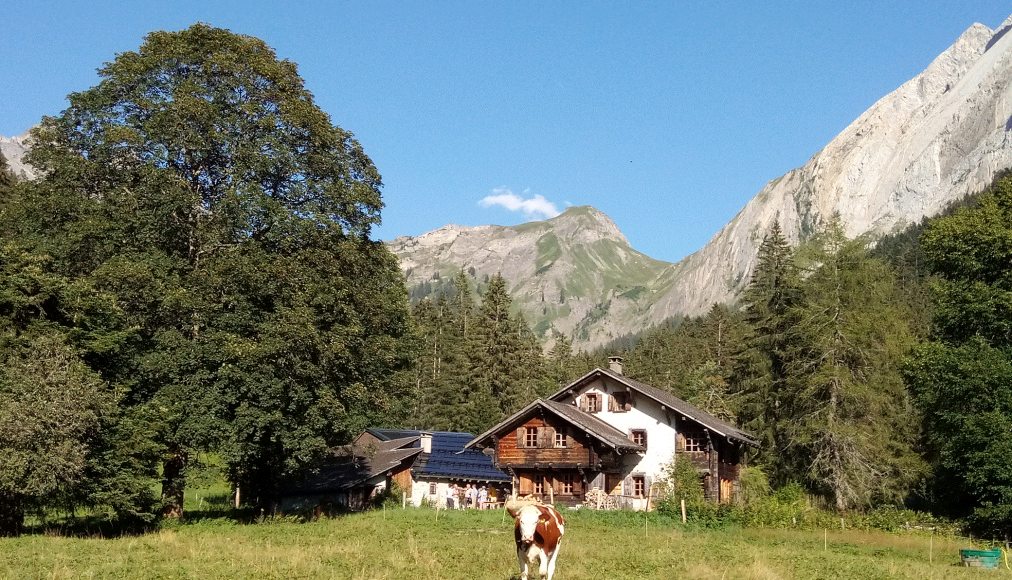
(938, 137)
(14, 149)
(574, 274)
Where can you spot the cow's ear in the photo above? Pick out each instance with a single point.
(513, 511)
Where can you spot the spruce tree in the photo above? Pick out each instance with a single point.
(759, 380)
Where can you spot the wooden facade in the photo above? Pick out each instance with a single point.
(608, 434)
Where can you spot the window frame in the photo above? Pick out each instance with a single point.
(642, 433)
(567, 483)
(621, 403)
(639, 485)
(596, 399)
(694, 442)
(433, 488)
(561, 439)
(538, 486)
(528, 432)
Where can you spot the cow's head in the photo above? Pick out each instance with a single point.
(527, 519)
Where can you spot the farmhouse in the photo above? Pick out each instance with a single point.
(608, 433)
(420, 463)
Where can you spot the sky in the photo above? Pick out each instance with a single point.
(667, 116)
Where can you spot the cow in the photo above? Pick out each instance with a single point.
(538, 531)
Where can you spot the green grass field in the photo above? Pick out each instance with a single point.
(398, 544)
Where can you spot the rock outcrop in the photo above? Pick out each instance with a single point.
(940, 136)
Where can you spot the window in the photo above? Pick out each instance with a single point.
(695, 443)
(560, 439)
(639, 437)
(593, 402)
(531, 437)
(538, 487)
(567, 482)
(432, 488)
(639, 485)
(620, 402)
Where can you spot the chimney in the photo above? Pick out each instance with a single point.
(426, 441)
(615, 364)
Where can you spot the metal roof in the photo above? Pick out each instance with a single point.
(448, 458)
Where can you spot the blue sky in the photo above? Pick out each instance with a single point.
(666, 116)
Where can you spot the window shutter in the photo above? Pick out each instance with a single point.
(583, 403)
(521, 438)
(627, 486)
(541, 437)
(569, 441)
(612, 403)
(549, 437)
(646, 486)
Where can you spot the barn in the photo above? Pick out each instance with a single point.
(608, 435)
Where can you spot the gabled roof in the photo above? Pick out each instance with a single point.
(665, 398)
(448, 459)
(349, 467)
(593, 426)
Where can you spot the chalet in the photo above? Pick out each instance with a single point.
(611, 433)
(421, 463)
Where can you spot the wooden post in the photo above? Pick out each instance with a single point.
(237, 497)
(551, 490)
(931, 547)
(404, 500)
(683, 510)
(825, 539)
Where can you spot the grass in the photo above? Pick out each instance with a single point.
(411, 543)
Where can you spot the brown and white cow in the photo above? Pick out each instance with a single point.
(538, 532)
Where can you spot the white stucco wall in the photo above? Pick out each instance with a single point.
(644, 414)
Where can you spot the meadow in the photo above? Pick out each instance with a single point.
(395, 544)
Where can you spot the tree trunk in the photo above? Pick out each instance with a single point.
(173, 484)
(12, 515)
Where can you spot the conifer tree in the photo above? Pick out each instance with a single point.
(846, 416)
(495, 358)
(759, 381)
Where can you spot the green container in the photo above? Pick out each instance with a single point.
(981, 558)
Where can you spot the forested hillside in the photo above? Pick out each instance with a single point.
(871, 375)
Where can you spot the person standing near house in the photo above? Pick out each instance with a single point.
(449, 493)
(471, 495)
(482, 497)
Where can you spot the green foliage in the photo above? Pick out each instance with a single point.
(51, 409)
(962, 381)
(210, 229)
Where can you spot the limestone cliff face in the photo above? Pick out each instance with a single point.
(938, 137)
(14, 149)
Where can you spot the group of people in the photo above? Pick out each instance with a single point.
(470, 496)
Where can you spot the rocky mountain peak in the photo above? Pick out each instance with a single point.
(586, 222)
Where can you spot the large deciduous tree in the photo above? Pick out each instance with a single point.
(200, 186)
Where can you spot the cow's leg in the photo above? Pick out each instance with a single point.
(522, 558)
(551, 561)
(543, 565)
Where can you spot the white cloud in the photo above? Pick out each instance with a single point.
(533, 207)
